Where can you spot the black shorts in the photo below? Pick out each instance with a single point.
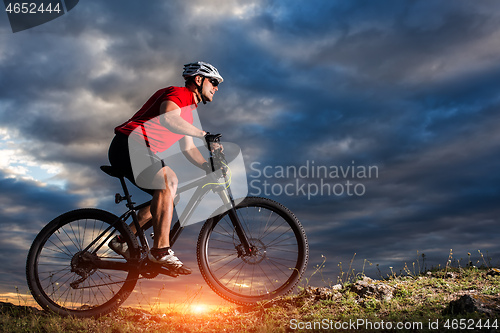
(119, 157)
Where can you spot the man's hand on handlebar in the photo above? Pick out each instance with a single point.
(212, 141)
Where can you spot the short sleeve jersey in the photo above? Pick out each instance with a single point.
(146, 121)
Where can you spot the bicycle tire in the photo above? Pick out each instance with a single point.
(266, 274)
(50, 266)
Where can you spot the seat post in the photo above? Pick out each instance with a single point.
(130, 204)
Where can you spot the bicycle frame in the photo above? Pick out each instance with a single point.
(203, 186)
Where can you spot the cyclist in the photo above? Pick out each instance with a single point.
(172, 107)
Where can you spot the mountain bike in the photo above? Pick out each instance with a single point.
(250, 251)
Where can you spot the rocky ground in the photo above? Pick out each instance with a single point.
(443, 297)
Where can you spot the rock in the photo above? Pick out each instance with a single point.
(319, 294)
(470, 303)
(337, 287)
(370, 288)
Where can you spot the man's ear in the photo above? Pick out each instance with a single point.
(198, 79)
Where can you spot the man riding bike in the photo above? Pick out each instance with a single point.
(167, 116)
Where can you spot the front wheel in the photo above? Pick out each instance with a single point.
(61, 270)
(279, 252)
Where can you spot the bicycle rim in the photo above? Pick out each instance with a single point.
(61, 282)
(275, 267)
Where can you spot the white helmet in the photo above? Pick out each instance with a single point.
(203, 69)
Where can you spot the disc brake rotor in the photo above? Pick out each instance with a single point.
(258, 253)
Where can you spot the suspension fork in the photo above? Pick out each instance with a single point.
(227, 199)
(235, 220)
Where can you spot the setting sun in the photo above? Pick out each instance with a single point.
(199, 308)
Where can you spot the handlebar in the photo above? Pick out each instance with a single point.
(217, 157)
(217, 161)
(212, 138)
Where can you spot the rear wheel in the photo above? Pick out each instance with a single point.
(61, 267)
(279, 252)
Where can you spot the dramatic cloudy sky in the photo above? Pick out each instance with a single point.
(409, 88)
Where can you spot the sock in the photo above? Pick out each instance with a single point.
(158, 253)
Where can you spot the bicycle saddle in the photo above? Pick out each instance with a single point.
(109, 170)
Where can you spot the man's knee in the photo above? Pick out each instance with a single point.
(171, 180)
(171, 184)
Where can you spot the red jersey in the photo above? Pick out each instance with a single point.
(147, 118)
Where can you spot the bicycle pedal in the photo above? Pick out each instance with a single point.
(159, 268)
(164, 270)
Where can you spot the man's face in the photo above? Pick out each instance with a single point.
(209, 88)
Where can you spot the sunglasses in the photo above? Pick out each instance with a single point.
(214, 82)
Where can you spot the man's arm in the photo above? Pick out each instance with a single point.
(170, 117)
(191, 152)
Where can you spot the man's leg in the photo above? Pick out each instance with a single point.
(159, 212)
(143, 217)
(162, 207)
(118, 244)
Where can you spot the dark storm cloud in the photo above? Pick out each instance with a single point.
(31, 198)
(26, 208)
